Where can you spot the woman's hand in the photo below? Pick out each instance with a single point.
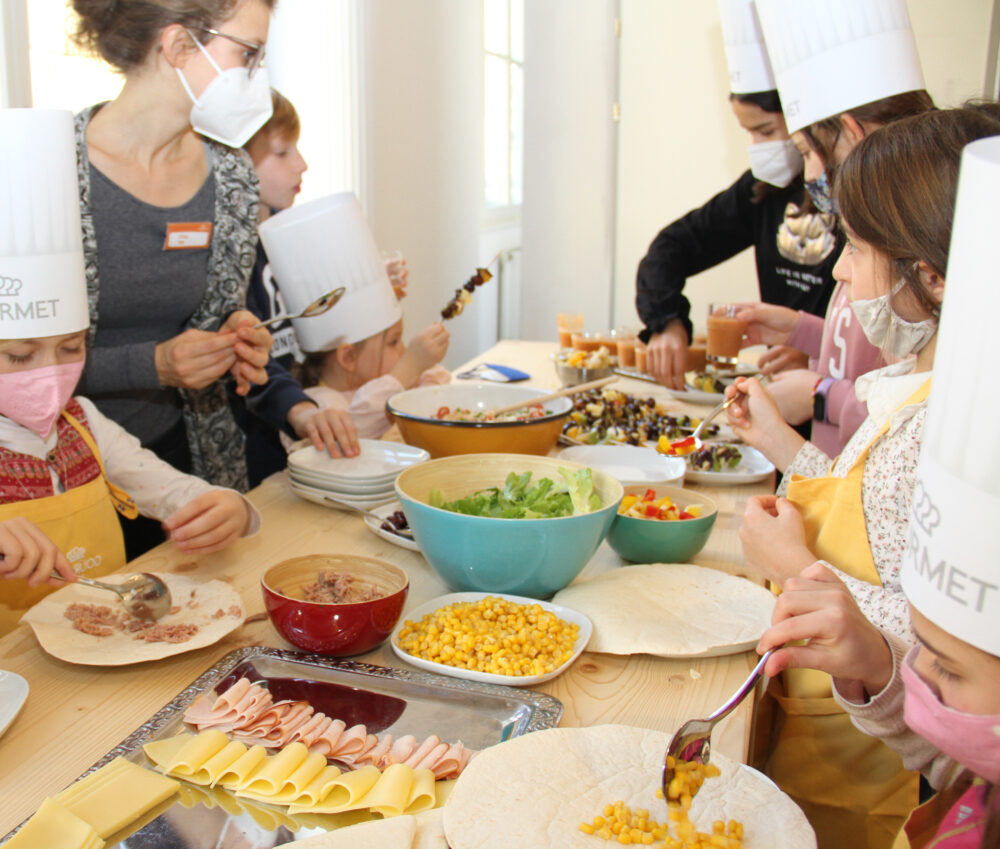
(329, 429)
(818, 607)
(767, 324)
(756, 417)
(780, 358)
(666, 355)
(792, 392)
(774, 539)
(28, 553)
(194, 359)
(252, 346)
(209, 522)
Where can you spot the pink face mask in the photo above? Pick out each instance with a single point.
(970, 739)
(35, 398)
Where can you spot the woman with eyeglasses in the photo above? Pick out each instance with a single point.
(169, 209)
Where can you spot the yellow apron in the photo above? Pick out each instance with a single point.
(81, 522)
(852, 787)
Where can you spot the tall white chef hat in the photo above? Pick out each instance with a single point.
(831, 57)
(43, 290)
(320, 246)
(950, 564)
(746, 55)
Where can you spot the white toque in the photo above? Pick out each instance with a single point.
(746, 56)
(43, 290)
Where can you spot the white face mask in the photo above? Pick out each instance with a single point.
(888, 331)
(233, 105)
(775, 162)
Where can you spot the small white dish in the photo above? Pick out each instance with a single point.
(378, 459)
(753, 467)
(376, 527)
(630, 464)
(13, 694)
(360, 489)
(564, 613)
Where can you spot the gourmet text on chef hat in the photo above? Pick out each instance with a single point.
(746, 56)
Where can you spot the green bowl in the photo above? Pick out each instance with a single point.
(658, 541)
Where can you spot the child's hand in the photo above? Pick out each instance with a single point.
(331, 429)
(252, 349)
(429, 346)
(817, 607)
(780, 358)
(768, 324)
(209, 522)
(398, 273)
(28, 553)
(756, 417)
(774, 538)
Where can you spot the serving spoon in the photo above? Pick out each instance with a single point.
(541, 399)
(144, 595)
(693, 740)
(317, 307)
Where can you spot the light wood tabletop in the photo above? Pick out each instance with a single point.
(75, 714)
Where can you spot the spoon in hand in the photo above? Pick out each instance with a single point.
(317, 307)
(144, 595)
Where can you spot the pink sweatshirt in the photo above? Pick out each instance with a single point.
(837, 348)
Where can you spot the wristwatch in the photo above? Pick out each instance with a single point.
(820, 390)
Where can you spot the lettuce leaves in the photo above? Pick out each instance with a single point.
(520, 499)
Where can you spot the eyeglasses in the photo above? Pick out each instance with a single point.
(254, 54)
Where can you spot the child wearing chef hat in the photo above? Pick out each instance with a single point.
(356, 358)
(936, 703)
(65, 469)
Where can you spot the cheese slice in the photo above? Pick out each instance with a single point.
(55, 825)
(216, 766)
(391, 792)
(162, 752)
(345, 792)
(422, 794)
(116, 795)
(271, 777)
(318, 787)
(196, 752)
(295, 784)
(243, 769)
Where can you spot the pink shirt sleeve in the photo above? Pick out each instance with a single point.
(807, 335)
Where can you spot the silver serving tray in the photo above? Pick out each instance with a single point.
(386, 699)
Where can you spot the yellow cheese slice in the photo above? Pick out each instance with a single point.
(345, 792)
(294, 785)
(162, 752)
(271, 777)
(195, 752)
(216, 765)
(55, 825)
(442, 790)
(391, 792)
(422, 795)
(116, 795)
(242, 770)
(317, 788)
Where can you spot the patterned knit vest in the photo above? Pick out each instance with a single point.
(24, 477)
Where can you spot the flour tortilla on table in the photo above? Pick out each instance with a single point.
(672, 610)
(59, 638)
(535, 790)
(409, 831)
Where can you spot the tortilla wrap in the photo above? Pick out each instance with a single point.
(199, 602)
(672, 610)
(535, 790)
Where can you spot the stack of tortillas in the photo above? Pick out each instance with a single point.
(535, 790)
(422, 831)
(672, 610)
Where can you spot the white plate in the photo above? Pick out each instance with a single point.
(697, 396)
(630, 464)
(378, 459)
(318, 496)
(753, 467)
(361, 489)
(375, 526)
(564, 613)
(13, 694)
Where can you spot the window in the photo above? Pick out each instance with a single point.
(503, 114)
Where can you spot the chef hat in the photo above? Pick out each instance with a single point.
(323, 245)
(749, 67)
(43, 290)
(831, 57)
(950, 564)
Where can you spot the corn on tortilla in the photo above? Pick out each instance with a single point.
(672, 610)
(535, 790)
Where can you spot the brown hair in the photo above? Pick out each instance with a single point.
(769, 101)
(283, 123)
(896, 189)
(122, 32)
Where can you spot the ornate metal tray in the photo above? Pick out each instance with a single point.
(385, 699)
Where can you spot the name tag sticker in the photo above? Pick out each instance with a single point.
(187, 235)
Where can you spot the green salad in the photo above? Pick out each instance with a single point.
(521, 499)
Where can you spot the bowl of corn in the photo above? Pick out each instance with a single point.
(492, 638)
(661, 524)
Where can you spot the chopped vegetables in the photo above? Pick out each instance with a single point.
(463, 295)
(546, 499)
(705, 382)
(492, 635)
(679, 448)
(607, 415)
(651, 507)
(523, 414)
(601, 358)
(715, 458)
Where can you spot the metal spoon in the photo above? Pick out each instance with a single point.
(317, 307)
(144, 595)
(402, 532)
(705, 422)
(692, 742)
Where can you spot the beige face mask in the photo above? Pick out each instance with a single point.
(887, 330)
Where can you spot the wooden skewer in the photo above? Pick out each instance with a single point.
(541, 399)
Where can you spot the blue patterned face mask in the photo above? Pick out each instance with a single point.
(822, 197)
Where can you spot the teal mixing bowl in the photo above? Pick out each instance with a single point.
(659, 541)
(529, 557)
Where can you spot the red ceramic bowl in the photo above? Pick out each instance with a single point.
(339, 630)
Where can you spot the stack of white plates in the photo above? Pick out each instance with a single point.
(363, 481)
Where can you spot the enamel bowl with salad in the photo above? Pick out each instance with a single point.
(662, 524)
(453, 419)
(510, 523)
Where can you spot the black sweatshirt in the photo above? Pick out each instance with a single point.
(795, 255)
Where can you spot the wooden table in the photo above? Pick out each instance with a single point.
(75, 714)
